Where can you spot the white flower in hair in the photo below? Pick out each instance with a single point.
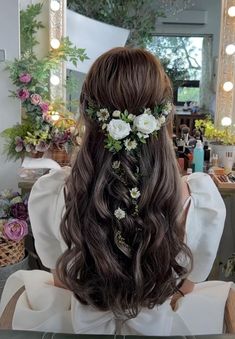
(103, 114)
(167, 108)
(116, 114)
(145, 123)
(158, 124)
(119, 213)
(130, 144)
(162, 119)
(118, 129)
(104, 126)
(141, 135)
(116, 164)
(131, 117)
(147, 111)
(135, 193)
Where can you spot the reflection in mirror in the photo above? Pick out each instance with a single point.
(187, 44)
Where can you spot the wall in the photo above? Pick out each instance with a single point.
(213, 7)
(9, 108)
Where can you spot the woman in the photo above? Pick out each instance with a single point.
(121, 231)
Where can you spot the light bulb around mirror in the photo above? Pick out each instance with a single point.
(228, 86)
(55, 116)
(226, 121)
(231, 11)
(55, 43)
(230, 49)
(55, 5)
(55, 80)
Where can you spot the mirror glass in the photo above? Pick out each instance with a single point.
(187, 43)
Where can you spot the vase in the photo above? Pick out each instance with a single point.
(221, 151)
(59, 154)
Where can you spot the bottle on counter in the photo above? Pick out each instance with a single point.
(198, 157)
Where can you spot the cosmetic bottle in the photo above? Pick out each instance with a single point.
(198, 157)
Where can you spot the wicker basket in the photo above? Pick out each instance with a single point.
(11, 252)
(60, 156)
(36, 155)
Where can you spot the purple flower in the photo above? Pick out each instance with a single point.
(19, 211)
(44, 107)
(19, 144)
(25, 78)
(36, 99)
(29, 148)
(15, 229)
(42, 146)
(23, 94)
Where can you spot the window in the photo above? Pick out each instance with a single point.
(182, 59)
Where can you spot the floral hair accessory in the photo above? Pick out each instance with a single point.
(123, 130)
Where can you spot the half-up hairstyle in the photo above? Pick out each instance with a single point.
(128, 263)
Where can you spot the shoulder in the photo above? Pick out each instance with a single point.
(51, 182)
(47, 194)
(203, 190)
(46, 208)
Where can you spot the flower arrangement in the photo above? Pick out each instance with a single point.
(217, 136)
(45, 124)
(124, 130)
(13, 216)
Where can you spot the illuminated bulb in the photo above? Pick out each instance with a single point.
(230, 49)
(55, 43)
(55, 6)
(228, 86)
(55, 116)
(226, 121)
(55, 80)
(231, 11)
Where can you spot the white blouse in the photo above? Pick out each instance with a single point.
(45, 307)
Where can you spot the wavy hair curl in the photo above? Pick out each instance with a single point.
(94, 266)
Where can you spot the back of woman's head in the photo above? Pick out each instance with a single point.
(123, 244)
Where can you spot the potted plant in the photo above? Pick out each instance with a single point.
(14, 224)
(45, 125)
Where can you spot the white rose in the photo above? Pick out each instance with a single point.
(145, 123)
(118, 129)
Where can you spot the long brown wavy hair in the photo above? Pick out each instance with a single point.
(95, 266)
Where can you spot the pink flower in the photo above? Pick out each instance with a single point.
(25, 78)
(44, 106)
(47, 117)
(15, 229)
(36, 99)
(23, 94)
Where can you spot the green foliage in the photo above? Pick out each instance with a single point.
(38, 131)
(139, 16)
(29, 25)
(10, 135)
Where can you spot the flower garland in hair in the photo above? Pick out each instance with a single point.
(123, 130)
